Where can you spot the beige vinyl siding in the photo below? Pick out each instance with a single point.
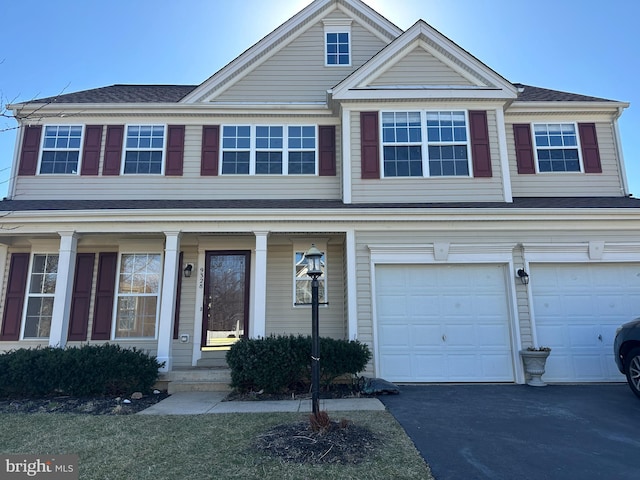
(297, 73)
(191, 185)
(426, 189)
(182, 353)
(420, 67)
(567, 184)
(283, 318)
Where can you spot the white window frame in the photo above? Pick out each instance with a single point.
(29, 295)
(253, 150)
(578, 147)
(56, 149)
(302, 247)
(425, 144)
(125, 149)
(118, 295)
(337, 26)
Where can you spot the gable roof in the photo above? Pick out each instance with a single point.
(482, 80)
(283, 35)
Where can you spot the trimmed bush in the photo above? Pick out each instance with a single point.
(279, 363)
(78, 371)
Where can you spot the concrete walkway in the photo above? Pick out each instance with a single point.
(196, 403)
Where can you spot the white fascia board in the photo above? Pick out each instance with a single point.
(559, 107)
(429, 93)
(248, 220)
(69, 111)
(392, 30)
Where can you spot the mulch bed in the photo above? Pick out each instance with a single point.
(339, 443)
(108, 405)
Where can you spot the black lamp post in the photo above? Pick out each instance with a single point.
(314, 270)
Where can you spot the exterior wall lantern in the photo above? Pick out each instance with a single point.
(314, 270)
(187, 270)
(523, 276)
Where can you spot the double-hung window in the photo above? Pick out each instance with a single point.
(144, 150)
(337, 42)
(138, 295)
(557, 147)
(61, 149)
(269, 150)
(302, 281)
(42, 289)
(425, 143)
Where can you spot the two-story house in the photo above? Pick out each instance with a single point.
(461, 217)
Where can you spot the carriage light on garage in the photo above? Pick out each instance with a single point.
(523, 276)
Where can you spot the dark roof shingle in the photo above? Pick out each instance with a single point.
(124, 94)
(538, 94)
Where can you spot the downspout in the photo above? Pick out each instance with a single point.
(618, 144)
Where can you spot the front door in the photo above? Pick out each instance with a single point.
(226, 300)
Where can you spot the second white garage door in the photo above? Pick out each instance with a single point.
(443, 323)
(577, 308)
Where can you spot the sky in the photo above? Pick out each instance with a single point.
(51, 47)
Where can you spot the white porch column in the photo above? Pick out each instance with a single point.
(64, 289)
(259, 328)
(168, 298)
(352, 301)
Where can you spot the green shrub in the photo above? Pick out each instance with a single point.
(279, 363)
(78, 371)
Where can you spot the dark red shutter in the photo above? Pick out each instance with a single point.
(590, 150)
(14, 298)
(91, 150)
(105, 291)
(113, 150)
(176, 317)
(369, 145)
(81, 299)
(327, 143)
(480, 150)
(524, 148)
(175, 150)
(210, 148)
(30, 150)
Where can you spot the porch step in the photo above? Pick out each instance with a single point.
(198, 379)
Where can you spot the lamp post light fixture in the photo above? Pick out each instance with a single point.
(314, 270)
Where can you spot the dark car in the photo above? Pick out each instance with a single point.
(626, 349)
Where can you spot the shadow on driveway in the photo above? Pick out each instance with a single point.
(507, 432)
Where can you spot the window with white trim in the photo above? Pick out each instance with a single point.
(557, 147)
(302, 281)
(138, 295)
(61, 149)
(144, 149)
(406, 153)
(42, 289)
(269, 150)
(337, 42)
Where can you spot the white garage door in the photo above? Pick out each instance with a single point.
(577, 308)
(443, 323)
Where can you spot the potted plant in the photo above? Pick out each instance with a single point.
(534, 359)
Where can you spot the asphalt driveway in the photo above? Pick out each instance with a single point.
(509, 432)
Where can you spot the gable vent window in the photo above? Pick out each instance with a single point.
(61, 149)
(144, 149)
(337, 42)
(557, 147)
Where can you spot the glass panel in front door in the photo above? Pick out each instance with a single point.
(226, 300)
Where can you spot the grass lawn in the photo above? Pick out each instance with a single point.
(197, 446)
